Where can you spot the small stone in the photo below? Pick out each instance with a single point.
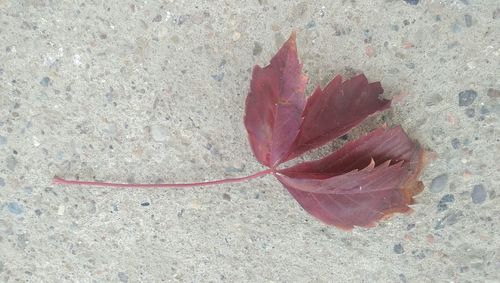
(455, 143)
(478, 194)
(398, 248)
(45, 81)
(470, 112)
(484, 110)
(466, 97)
(15, 208)
(226, 197)
(493, 93)
(122, 276)
(197, 19)
(438, 183)
(157, 19)
(11, 163)
(2, 182)
(61, 209)
(445, 200)
(181, 19)
(369, 51)
(410, 65)
(455, 27)
(3, 140)
(218, 77)
(394, 71)
(235, 169)
(159, 133)
(496, 14)
(311, 24)
(21, 241)
(412, 2)
(145, 204)
(236, 36)
(257, 48)
(468, 20)
(450, 219)
(434, 100)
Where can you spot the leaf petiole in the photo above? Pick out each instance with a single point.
(61, 181)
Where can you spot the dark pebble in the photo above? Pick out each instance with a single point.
(15, 208)
(468, 20)
(157, 19)
(478, 194)
(257, 48)
(181, 213)
(438, 183)
(410, 226)
(410, 65)
(470, 112)
(412, 2)
(226, 197)
(418, 254)
(496, 14)
(311, 24)
(398, 248)
(181, 19)
(45, 81)
(466, 97)
(455, 143)
(484, 110)
(218, 77)
(450, 219)
(445, 200)
(145, 204)
(122, 276)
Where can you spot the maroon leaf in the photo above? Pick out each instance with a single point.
(275, 104)
(332, 112)
(379, 146)
(364, 181)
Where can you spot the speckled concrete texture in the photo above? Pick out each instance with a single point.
(136, 91)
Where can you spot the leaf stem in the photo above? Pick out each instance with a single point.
(61, 181)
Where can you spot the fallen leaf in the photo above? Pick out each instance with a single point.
(364, 181)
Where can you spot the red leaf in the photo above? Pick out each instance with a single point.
(275, 104)
(332, 112)
(364, 181)
(361, 183)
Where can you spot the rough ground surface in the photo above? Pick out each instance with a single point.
(154, 91)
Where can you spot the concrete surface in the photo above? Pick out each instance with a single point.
(154, 91)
